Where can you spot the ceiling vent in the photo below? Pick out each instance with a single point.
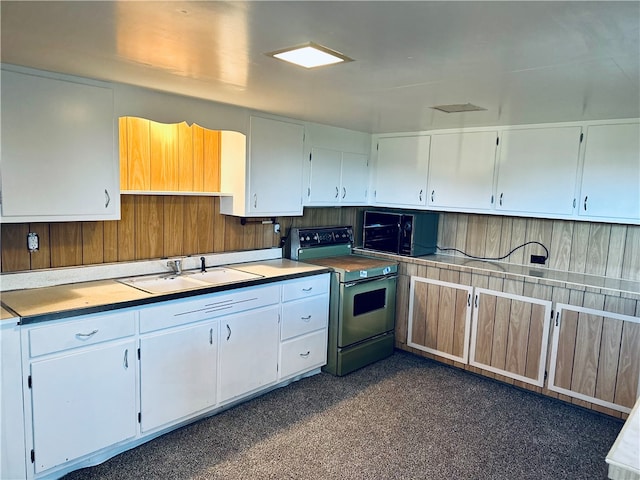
(459, 108)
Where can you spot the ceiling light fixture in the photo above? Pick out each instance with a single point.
(310, 55)
(459, 108)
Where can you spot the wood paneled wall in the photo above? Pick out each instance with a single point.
(582, 247)
(152, 226)
(155, 226)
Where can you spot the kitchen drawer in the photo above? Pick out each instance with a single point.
(303, 354)
(305, 287)
(304, 316)
(80, 332)
(179, 312)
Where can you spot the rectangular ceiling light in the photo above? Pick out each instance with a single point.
(458, 108)
(310, 55)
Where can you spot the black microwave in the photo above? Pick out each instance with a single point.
(403, 233)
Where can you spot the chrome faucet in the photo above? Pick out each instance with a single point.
(176, 265)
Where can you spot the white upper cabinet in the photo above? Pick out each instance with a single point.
(400, 176)
(337, 170)
(611, 173)
(58, 150)
(537, 171)
(337, 178)
(461, 171)
(267, 181)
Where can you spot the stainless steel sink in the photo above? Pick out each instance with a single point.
(188, 280)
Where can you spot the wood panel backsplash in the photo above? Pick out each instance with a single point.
(155, 226)
(151, 226)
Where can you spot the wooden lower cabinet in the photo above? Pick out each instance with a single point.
(595, 356)
(510, 334)
(440, 318)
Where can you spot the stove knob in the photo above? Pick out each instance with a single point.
(302, 238)
(308, 238)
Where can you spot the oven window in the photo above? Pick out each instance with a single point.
(366, 302)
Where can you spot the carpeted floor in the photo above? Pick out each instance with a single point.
(402, 418)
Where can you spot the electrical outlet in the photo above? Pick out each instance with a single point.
(539, 259)
(33, 242)
(276, 228)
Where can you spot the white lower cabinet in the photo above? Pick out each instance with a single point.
(97, 385)
(178, 368)
(248, 352)
(304, 326)
(82, 401)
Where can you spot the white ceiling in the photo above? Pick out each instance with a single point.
(525, 62)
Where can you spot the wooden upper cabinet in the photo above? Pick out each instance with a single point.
(168, 157)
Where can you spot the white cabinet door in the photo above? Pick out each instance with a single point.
(324, 177)
(83, 401)
(354, 179)
(401, 170)
(461, 168)
(178, 369)
(58, 150)
(275, 167)
(537, 170)
(248, 352)
(611, 173)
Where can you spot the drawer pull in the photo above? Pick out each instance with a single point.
(306, 319)
(305, 355)
(84, 336)
(307, 289)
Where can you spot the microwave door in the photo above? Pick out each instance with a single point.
(384, 238)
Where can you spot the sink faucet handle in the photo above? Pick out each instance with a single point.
(176, 265)
(202, 267)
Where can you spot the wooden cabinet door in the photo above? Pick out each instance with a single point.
(611, 173)
(461, 168)
(595, 356)
(354, 179)
(58, 150)
(82, 402)
(178, 369)
(440, 318)
(537, 170)
(324, 177)
(400, 172)
(248, 352)
(509, 335)
(275, 167)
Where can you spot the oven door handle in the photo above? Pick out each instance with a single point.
(368, 280)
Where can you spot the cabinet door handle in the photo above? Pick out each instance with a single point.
(557, 318)
(501, 198)
(306, 319)
(337, 192)
(476, 301)
(305, 355)
(420, 195)
(125, 361)
(107, 198)
(211, 336)
(84, 336)
(433, 192)
(344, 192)
(585, 203)
(469, 300)
(255, 200)
(228, 332)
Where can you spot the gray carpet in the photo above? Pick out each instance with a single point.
(402, 418)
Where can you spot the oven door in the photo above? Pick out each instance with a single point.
(368, 309)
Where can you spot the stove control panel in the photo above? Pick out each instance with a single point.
(318, 237)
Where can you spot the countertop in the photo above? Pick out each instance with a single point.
(577, 281)
(61, 301)
(624, 456)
